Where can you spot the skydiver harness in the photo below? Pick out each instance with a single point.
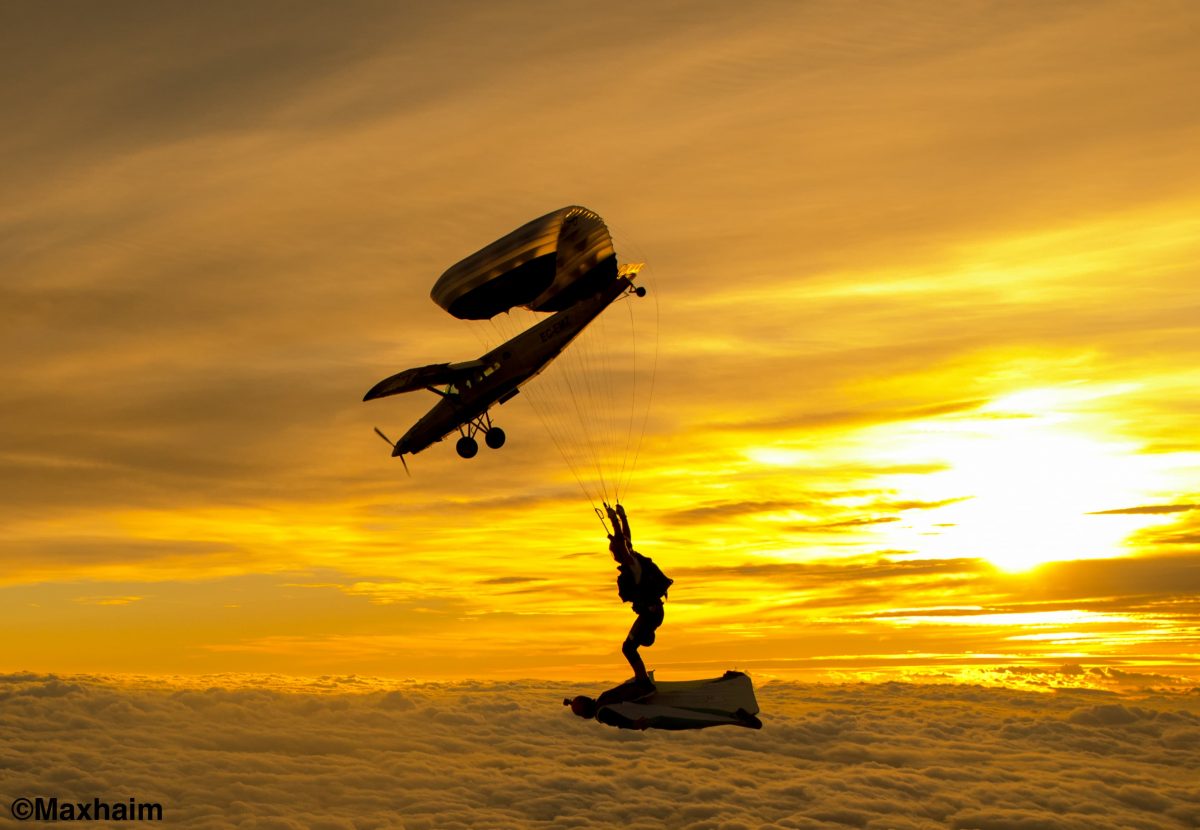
(650, 590)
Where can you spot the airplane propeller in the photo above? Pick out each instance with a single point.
(392, 444)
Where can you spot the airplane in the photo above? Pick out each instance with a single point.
(468, 390)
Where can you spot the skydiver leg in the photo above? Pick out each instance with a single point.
(630, 649)
(642, 633)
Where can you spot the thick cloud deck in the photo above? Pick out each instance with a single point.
(495, 755)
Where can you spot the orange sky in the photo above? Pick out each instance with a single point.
(926, 287)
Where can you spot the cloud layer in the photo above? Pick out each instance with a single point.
(347, 753)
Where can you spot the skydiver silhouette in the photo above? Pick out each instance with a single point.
(641, 583)
(652, 712)
(601, 709)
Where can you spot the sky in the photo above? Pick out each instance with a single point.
(923, 303)
(347, 753)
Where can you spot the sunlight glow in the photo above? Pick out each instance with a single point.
(1031, 469)
(1017, 618)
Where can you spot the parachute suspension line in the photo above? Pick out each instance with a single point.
(561, 381)
(558, 444)
(641, 380)
(592, 399)
(603, 521)
(649, 391)
(621, 479)
(611, 410)
(612, 393)
(591, 379)
(653, 375)
(579, 381)
(604, 393)
(561, 440)
(507, 332)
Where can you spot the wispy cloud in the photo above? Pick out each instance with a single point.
(1151, 509)
(852, 418)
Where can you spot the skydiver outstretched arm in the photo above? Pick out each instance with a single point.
(619, 546)
(624, 528)
(620, 522)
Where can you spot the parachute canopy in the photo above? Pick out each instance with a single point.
(544, 265)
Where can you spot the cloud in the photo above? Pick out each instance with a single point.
(846, 523)
(1152, 509)
(356, 752)
(810, 573)
(717, 511)
(1164, 576)
(854, 418)
(109, 600)
(1078, 677)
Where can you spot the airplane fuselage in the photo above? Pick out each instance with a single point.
(503, 370)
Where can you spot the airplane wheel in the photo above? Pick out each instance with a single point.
(467, 447)
(494, 438)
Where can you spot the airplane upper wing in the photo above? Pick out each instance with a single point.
(422, 377)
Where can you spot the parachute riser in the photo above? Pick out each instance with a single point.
(603, 522)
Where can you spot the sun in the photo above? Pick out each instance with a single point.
(1031, 474)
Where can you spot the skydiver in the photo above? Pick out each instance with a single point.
(643, 584)
(601, 709)
(608, 710)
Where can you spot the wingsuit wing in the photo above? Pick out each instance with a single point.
(632, 715)
(690, 704)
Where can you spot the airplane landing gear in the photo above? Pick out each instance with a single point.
(467, 446)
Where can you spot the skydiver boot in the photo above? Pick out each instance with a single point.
(643, 687)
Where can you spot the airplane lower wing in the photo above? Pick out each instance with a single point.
(422, 377)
